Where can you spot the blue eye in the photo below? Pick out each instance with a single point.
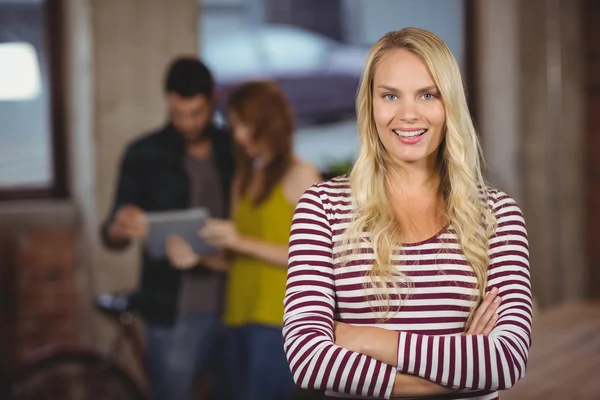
(390, 96)
(428, 96)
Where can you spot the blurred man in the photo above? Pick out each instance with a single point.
(186, 163)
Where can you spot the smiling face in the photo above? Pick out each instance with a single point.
(407, 108)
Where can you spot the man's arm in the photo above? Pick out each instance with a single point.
(127, 193)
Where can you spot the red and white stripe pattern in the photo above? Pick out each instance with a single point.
(433, 312)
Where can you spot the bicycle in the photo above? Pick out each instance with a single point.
(84, 374)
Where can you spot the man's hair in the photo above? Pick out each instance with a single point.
(188, 76)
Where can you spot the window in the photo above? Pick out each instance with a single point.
(316, 50)
(31, 165)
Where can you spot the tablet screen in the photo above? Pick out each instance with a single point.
(183, 223)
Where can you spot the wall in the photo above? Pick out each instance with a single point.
(133, 43)
(592, 141)
(531, 102)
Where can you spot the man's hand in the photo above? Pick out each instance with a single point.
(180, 253)
(485, 317)
(129, 223)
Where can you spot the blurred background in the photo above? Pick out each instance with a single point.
(90, 80)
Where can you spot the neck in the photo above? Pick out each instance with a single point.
(411, 179)
(199, 148)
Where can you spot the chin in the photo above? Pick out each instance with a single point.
(192, 137)
(410, 158)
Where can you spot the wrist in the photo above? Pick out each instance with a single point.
(363, 343)
(380, 344)
(241, 244)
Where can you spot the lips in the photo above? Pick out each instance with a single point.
(409, 136)
(412, 133)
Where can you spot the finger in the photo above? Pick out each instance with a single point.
(488, 316)
(128, 233)
(208, 231)
(186, 262)
(181, 262)
(137, 233)
(210, 223)
(484, 319)
(128, 225)
(490, 325)
(476, 324)
(135, 224)
(173, 240)
(185, 246)
(191, 261)
(212, 241)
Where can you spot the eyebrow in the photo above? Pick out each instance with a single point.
(426, 89)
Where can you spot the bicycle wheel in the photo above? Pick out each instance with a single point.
(74, 376)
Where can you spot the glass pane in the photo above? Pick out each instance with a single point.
(290, 49)
(19, 72)
(233, 57)
(25, 132)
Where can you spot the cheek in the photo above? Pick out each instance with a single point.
(437, 116)
(241, 136)
(383, 113)
(200, 120)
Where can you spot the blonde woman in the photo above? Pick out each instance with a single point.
(410, 276)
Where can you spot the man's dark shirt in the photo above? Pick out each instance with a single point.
(153, 177)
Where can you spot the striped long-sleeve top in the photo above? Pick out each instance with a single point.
(433, 308)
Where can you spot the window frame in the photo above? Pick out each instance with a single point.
(53, 38)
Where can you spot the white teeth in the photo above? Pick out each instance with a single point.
(410, 134)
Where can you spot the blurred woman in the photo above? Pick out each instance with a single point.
(268, 183)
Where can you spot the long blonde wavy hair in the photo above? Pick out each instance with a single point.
(462, 187)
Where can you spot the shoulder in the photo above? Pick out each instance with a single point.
(302, 170)
(509, 217)
(300, 176)
(321, 202)
(509, 245)
(146, 143)
(330, 192)
(501, 203)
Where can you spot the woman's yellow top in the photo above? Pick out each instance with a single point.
(255, 288)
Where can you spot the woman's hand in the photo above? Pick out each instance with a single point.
(220, 233)
(180, 253)
(485, 317)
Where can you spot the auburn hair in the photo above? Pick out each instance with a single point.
(262, 106)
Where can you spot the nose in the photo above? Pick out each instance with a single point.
(408, 111)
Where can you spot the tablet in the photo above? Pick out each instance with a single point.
(183, 223)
